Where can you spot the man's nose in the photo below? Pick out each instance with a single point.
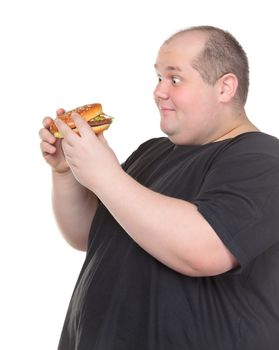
(161, 91)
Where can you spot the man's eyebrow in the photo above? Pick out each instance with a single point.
(170, 68)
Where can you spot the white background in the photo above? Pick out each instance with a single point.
(67, 53)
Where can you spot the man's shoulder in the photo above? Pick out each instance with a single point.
(255, 143)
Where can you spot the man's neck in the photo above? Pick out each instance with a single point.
(242, 125)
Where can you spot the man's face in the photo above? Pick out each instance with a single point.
(188, 106)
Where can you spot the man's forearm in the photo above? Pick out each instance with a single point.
(74, 207)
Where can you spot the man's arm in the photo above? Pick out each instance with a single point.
(74, 207)
(171, 230)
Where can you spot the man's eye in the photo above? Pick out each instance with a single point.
(175, 80)
(159, 77)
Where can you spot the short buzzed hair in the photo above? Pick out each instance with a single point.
(221, 54)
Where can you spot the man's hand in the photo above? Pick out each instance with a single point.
(89, 156)
(51, 147)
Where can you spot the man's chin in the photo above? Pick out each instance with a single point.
(179, 139)
(167, 129)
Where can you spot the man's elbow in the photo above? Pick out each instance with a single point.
(205, 266)
(78, 243)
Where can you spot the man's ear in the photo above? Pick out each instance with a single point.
(227, 85)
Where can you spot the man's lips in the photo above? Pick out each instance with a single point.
(165, 111)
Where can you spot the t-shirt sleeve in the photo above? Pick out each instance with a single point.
(240, 199)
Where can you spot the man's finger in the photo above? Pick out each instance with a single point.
(63, 128)
(82, 126)
(60, 111)
(102, 138)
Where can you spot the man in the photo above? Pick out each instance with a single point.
(183, 250)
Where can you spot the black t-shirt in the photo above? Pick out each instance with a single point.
(125, 299)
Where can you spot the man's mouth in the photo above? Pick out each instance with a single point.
(166, 110)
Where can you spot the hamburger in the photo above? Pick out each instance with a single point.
(92, 113)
